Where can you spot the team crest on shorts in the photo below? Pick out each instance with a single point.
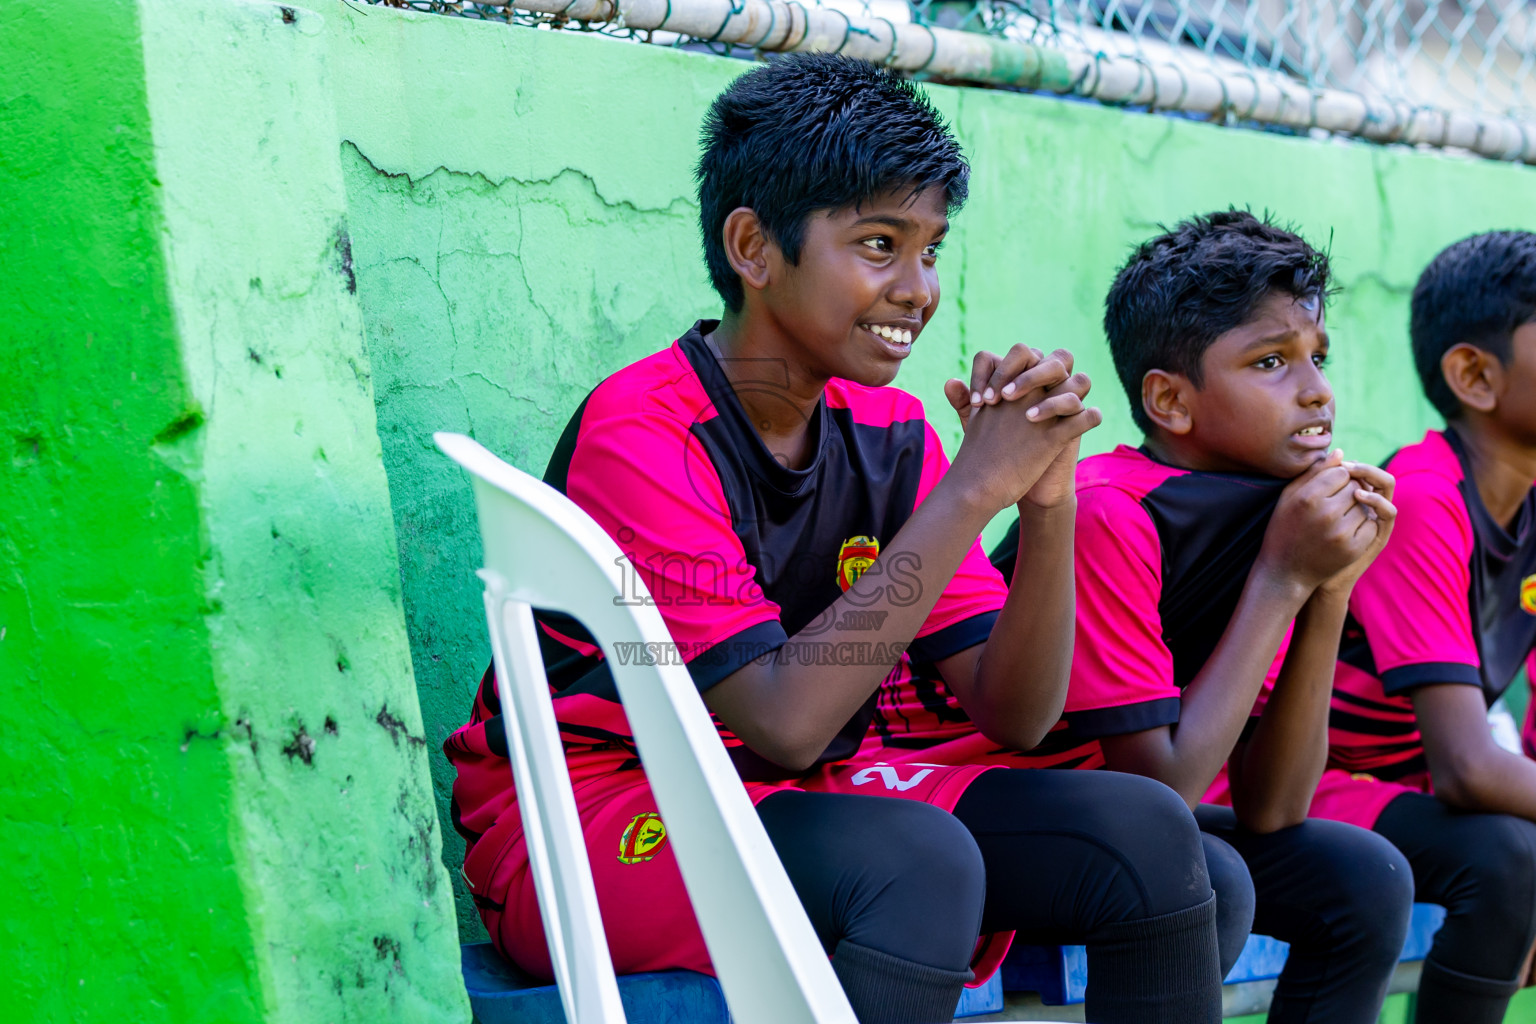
(855, 558)
(642, 838)
(1528, 594)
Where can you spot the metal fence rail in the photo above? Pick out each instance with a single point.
(1450, 73)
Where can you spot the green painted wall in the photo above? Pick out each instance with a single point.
(218, 806)
(523, 224)
(254, 255)
(117, 787)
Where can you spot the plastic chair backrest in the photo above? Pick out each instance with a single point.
(542, 550)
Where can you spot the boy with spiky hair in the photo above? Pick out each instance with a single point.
(804, 538)
(1440, 625)
(1217, 556)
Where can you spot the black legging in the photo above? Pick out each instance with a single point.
(1339, 895)
(1482, 869)
(897, 890)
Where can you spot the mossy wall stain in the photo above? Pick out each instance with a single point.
(514, 244)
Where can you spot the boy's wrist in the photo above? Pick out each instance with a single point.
(1280, 585)
(1331, 596)
(969, 500)
(1050, 513)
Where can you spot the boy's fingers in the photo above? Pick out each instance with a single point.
(957, 394)
(1060, 362)
(1377, 503)
(1080, 424)
(1046, 375)
(1374, 477)
(1079, 384)
(1015, 361)
(1331, 480)
(1309, 476)
(981, 369)
(1065, 404)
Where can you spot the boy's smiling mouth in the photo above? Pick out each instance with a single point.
(897, 338)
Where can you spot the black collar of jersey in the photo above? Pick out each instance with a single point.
(767, 377)
(1491, 534)
(1502, 630)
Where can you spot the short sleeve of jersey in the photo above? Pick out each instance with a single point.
(1122, 671)
(968, 608)
(649, 483)
(1413, 600)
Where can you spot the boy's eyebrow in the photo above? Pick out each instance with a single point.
(1279, 337)
(892, 221)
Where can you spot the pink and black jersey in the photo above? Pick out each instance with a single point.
(1451, 599)
(739, 552)
(1162, 556)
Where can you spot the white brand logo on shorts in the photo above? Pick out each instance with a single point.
(887, 774)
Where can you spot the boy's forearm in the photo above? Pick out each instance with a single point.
(1275, 773)
(789, 709)
(1469, 770)
(1501, 783)
(1216, 704)
(1020, 684)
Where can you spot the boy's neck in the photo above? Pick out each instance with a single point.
(1502, 468)
(771, 381)
(1169, 451)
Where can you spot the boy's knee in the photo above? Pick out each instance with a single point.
(930, 851)
(1155, 837)
(1147, 803)
(1365, 883)
(1500, 876)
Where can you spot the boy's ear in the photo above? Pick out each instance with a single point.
(1474, 376)
(747, 247)
(1162, 398)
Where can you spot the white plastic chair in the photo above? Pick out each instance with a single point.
(541, 549)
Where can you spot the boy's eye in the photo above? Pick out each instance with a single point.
(879, 243)
(932, 252)
(1269, 362)
(1320, 360)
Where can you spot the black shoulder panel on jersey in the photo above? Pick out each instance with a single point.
(558, 470)
(1211, 526)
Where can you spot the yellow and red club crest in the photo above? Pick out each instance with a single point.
(1528, 594)
(642, 838)
(855, 558)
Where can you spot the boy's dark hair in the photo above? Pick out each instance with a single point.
(815, 131)
(1180, 291)
(1477, 291)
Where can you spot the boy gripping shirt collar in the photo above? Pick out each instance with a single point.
(1447, 601)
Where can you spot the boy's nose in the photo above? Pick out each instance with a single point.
(912, 287)
(1315, 390)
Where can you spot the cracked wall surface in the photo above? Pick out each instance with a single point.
(522, 215)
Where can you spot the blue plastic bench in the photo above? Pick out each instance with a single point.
(1060, 974)
(499, 993)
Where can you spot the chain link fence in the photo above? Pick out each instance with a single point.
(1451, 73)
